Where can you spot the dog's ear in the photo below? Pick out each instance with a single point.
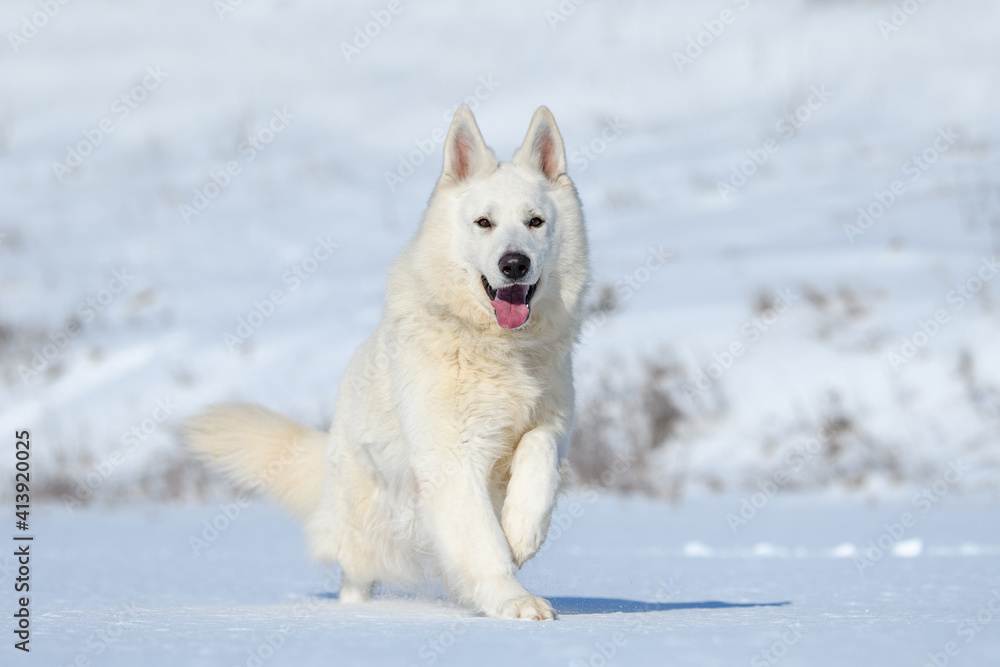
(465, 152)
(543, 147)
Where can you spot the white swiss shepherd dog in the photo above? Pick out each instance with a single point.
(448, 444)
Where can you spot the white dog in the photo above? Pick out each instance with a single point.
(446, 449)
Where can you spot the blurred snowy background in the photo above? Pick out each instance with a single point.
(793, 208)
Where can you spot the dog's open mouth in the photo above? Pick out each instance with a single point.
(512, 304)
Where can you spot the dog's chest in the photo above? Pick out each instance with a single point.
(496, 400)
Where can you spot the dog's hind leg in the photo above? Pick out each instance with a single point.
(340, 530)
(354, 590)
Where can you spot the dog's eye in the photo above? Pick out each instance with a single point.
(536, 222)
(484, 223)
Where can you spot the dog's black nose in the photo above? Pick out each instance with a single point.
(514, 265)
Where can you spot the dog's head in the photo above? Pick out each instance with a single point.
(516, 232)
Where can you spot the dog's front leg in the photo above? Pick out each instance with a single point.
(531, 492)
(469, 542)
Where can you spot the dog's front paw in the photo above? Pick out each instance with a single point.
(524, 535)
(527, 607)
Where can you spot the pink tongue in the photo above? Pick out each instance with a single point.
(510, 315)
(510, 306)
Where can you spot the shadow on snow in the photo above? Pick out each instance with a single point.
(569, 606)
(574, 605)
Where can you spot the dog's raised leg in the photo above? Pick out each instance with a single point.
(471, 546)
(531, 492)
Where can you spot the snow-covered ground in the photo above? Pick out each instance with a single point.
(634, 581)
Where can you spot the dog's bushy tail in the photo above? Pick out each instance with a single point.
(262, 450)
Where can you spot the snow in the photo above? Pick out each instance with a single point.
(125, 587)
(100, 267)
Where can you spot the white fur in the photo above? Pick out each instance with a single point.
(444, 454)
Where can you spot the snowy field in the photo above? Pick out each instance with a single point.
(634, 582)
(794, 215)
